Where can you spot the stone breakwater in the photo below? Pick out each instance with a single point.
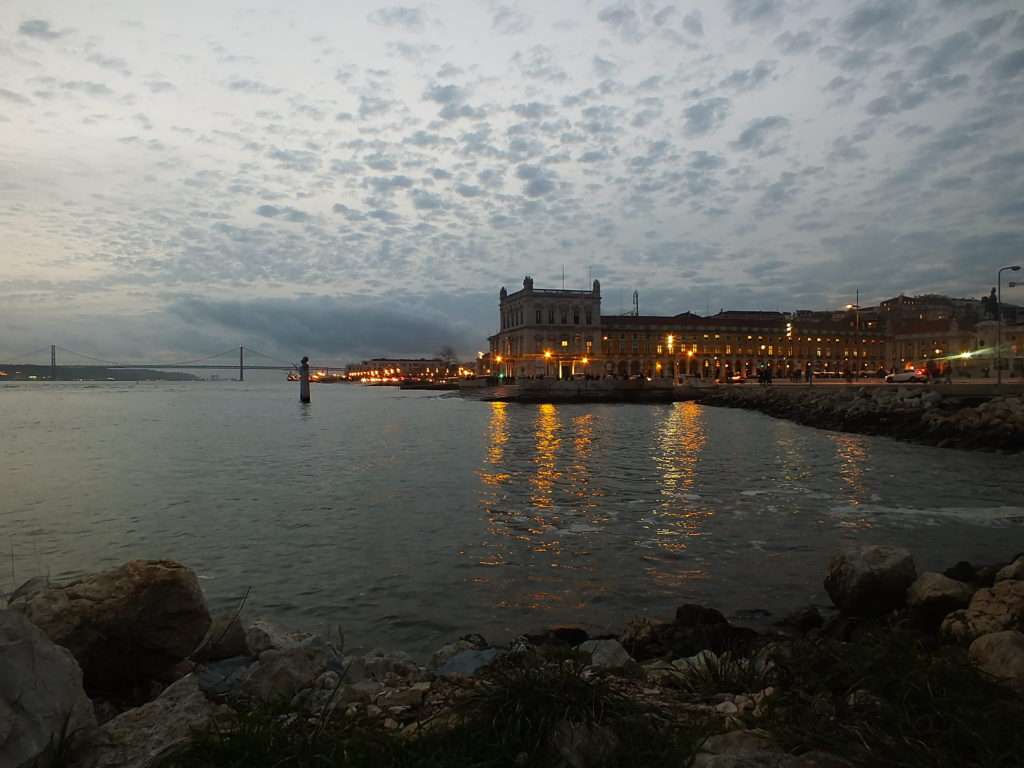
(126, 668)
(911, 413)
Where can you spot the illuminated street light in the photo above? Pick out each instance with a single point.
(999, 319)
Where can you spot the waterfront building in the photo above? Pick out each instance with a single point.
(546, 332)
(562, 334)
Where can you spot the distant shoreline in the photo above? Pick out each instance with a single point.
(16, 372)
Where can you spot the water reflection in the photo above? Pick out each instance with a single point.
(681, 440)
(492, 473)
(851, 455)
(545, 464)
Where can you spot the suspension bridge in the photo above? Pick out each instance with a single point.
(235, 358)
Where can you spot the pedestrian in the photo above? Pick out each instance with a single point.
(304, 381)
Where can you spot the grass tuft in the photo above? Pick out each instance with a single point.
(893, 700)
(505, 720)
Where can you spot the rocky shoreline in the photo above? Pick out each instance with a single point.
(909, 413)
(127, 668)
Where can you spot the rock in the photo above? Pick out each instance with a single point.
(804, 620)
(690, 615)
(932, 596)
(42, 701)
(871, 580)
(408, 697)
(363, 692)
(755, 749)
(1014, 570)
(264, 635)
(608, 654)
(992, 609)
(126, 625)
(141, 737)
(225, 639)
(445, 652)
(467, 663)
(224, 677)
(1001, 655)
(571, 636)
(280, 674)
(377, 665)
(695, 629)
(583, 745)
(962, 571)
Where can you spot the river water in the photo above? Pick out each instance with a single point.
(410, 518)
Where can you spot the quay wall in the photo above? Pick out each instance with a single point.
(945, 416)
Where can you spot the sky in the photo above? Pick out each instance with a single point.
(345, 179)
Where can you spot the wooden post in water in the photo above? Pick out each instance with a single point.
(53, 362)
(241, 363)
(304, 381)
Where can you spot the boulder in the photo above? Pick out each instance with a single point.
(695, 629)
(871, 580)
(1013, 571)
(225, 639)
(803, 620)
(264, 635)
(583, 745)
(42, 702)
(141, 737)
(467, 663)
(1001, 655)
(932, 596)
(125, 626)
(225, 676)
(755, 749)
(992, 609)
(607, 654)
(280, 674)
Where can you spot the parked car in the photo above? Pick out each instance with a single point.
(917, 376)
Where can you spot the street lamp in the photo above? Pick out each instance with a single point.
(999, 320)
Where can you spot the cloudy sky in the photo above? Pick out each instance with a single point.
(346, 178)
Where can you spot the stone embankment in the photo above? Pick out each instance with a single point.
(127, 668)
(912, 413)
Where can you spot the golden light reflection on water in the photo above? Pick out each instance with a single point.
(852, 456)
(681, 438)
(492, 472)
(545, 459)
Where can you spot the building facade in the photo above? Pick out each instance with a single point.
(546, 332)
(562, 333)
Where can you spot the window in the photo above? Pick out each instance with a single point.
(565, 316)
(565, 342)
(659, 349)
(728, 349)
(590, 317)
(540, 315)
(590, 347)
(575, 315)
(551, 315)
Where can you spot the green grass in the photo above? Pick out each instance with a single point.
(726, 673)
(505, 721)
(925, 706)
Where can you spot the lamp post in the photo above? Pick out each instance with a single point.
(999, 320)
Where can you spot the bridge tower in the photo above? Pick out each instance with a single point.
(241, 363)
(53, 362)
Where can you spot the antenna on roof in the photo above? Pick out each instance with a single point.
(563, 277)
